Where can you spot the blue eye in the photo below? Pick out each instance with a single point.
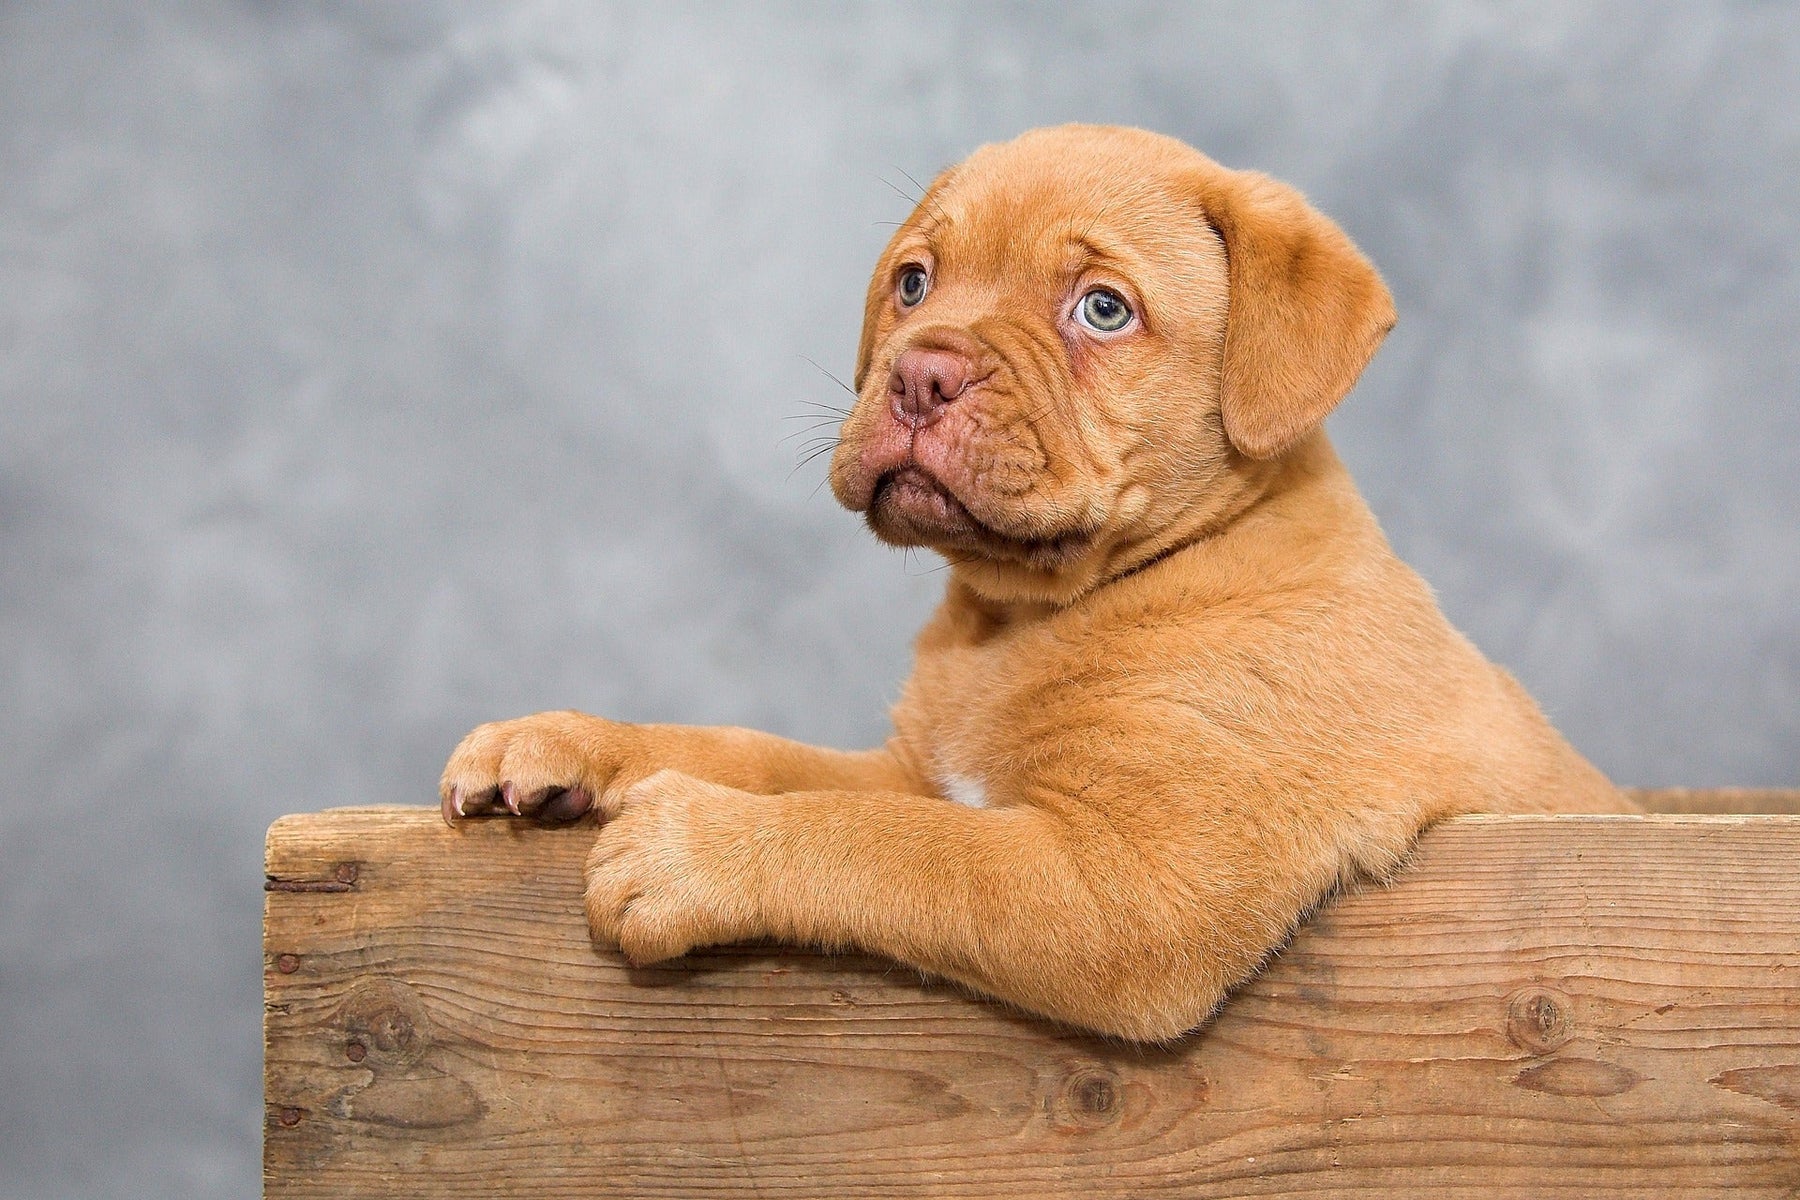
(1103, 311)
(912, 285)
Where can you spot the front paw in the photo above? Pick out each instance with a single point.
(554, 766)
(663, 877)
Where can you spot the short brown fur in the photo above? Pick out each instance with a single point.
(1180, 681)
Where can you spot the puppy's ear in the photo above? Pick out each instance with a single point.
(880, 288)
(1305, 314)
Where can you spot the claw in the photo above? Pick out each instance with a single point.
(565, 805)
(512, 800)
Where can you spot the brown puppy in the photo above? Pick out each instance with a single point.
(1179, 688)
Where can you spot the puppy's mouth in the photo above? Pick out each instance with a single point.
(911, 508)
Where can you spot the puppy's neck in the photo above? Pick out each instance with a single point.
(1240, 489)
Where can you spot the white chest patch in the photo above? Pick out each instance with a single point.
(965, 790)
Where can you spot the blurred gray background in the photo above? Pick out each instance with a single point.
(370, 370)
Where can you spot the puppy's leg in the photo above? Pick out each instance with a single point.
(557, 765)
(1062, 920)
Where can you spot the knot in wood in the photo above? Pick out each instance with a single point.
(385, 1022)
(393, 1031)
(1091, 1097)
(1537, 1020)
(1096, 1094)
(1578, 1077)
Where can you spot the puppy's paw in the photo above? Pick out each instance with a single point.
(661, 879)
(554, 766)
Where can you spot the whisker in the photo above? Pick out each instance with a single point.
(830, 376)
(802, 432)
(906, 565)
(1096, 220)
(900, 191)
(920, 202)
(924, 195)
(810, 455)
(829, 408)
(807, 461)
(810, 441)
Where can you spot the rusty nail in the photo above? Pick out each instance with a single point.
(290, 1117)
(346, 873)
(287, 964)
(355, 1051)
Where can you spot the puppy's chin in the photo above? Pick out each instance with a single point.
(911, 508)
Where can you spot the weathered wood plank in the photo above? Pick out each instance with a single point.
(1718, 800)
(1557, 1006)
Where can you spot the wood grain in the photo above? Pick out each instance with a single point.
(1718, 800)
(1540, 1006)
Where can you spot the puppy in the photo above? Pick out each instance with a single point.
(1179, 688)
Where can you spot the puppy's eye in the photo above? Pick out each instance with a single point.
(912, 285)
(1103, 311)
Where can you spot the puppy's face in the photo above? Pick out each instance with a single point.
(1044, 391)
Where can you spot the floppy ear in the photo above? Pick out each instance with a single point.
(1305, 314)
(880, 287)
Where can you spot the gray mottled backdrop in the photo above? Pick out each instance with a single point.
(370, 370)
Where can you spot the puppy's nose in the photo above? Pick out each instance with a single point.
(923, 381)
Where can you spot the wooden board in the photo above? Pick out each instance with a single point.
(1718, 800)
(1541, 1006)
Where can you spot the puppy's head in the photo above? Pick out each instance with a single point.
(1085, 344)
